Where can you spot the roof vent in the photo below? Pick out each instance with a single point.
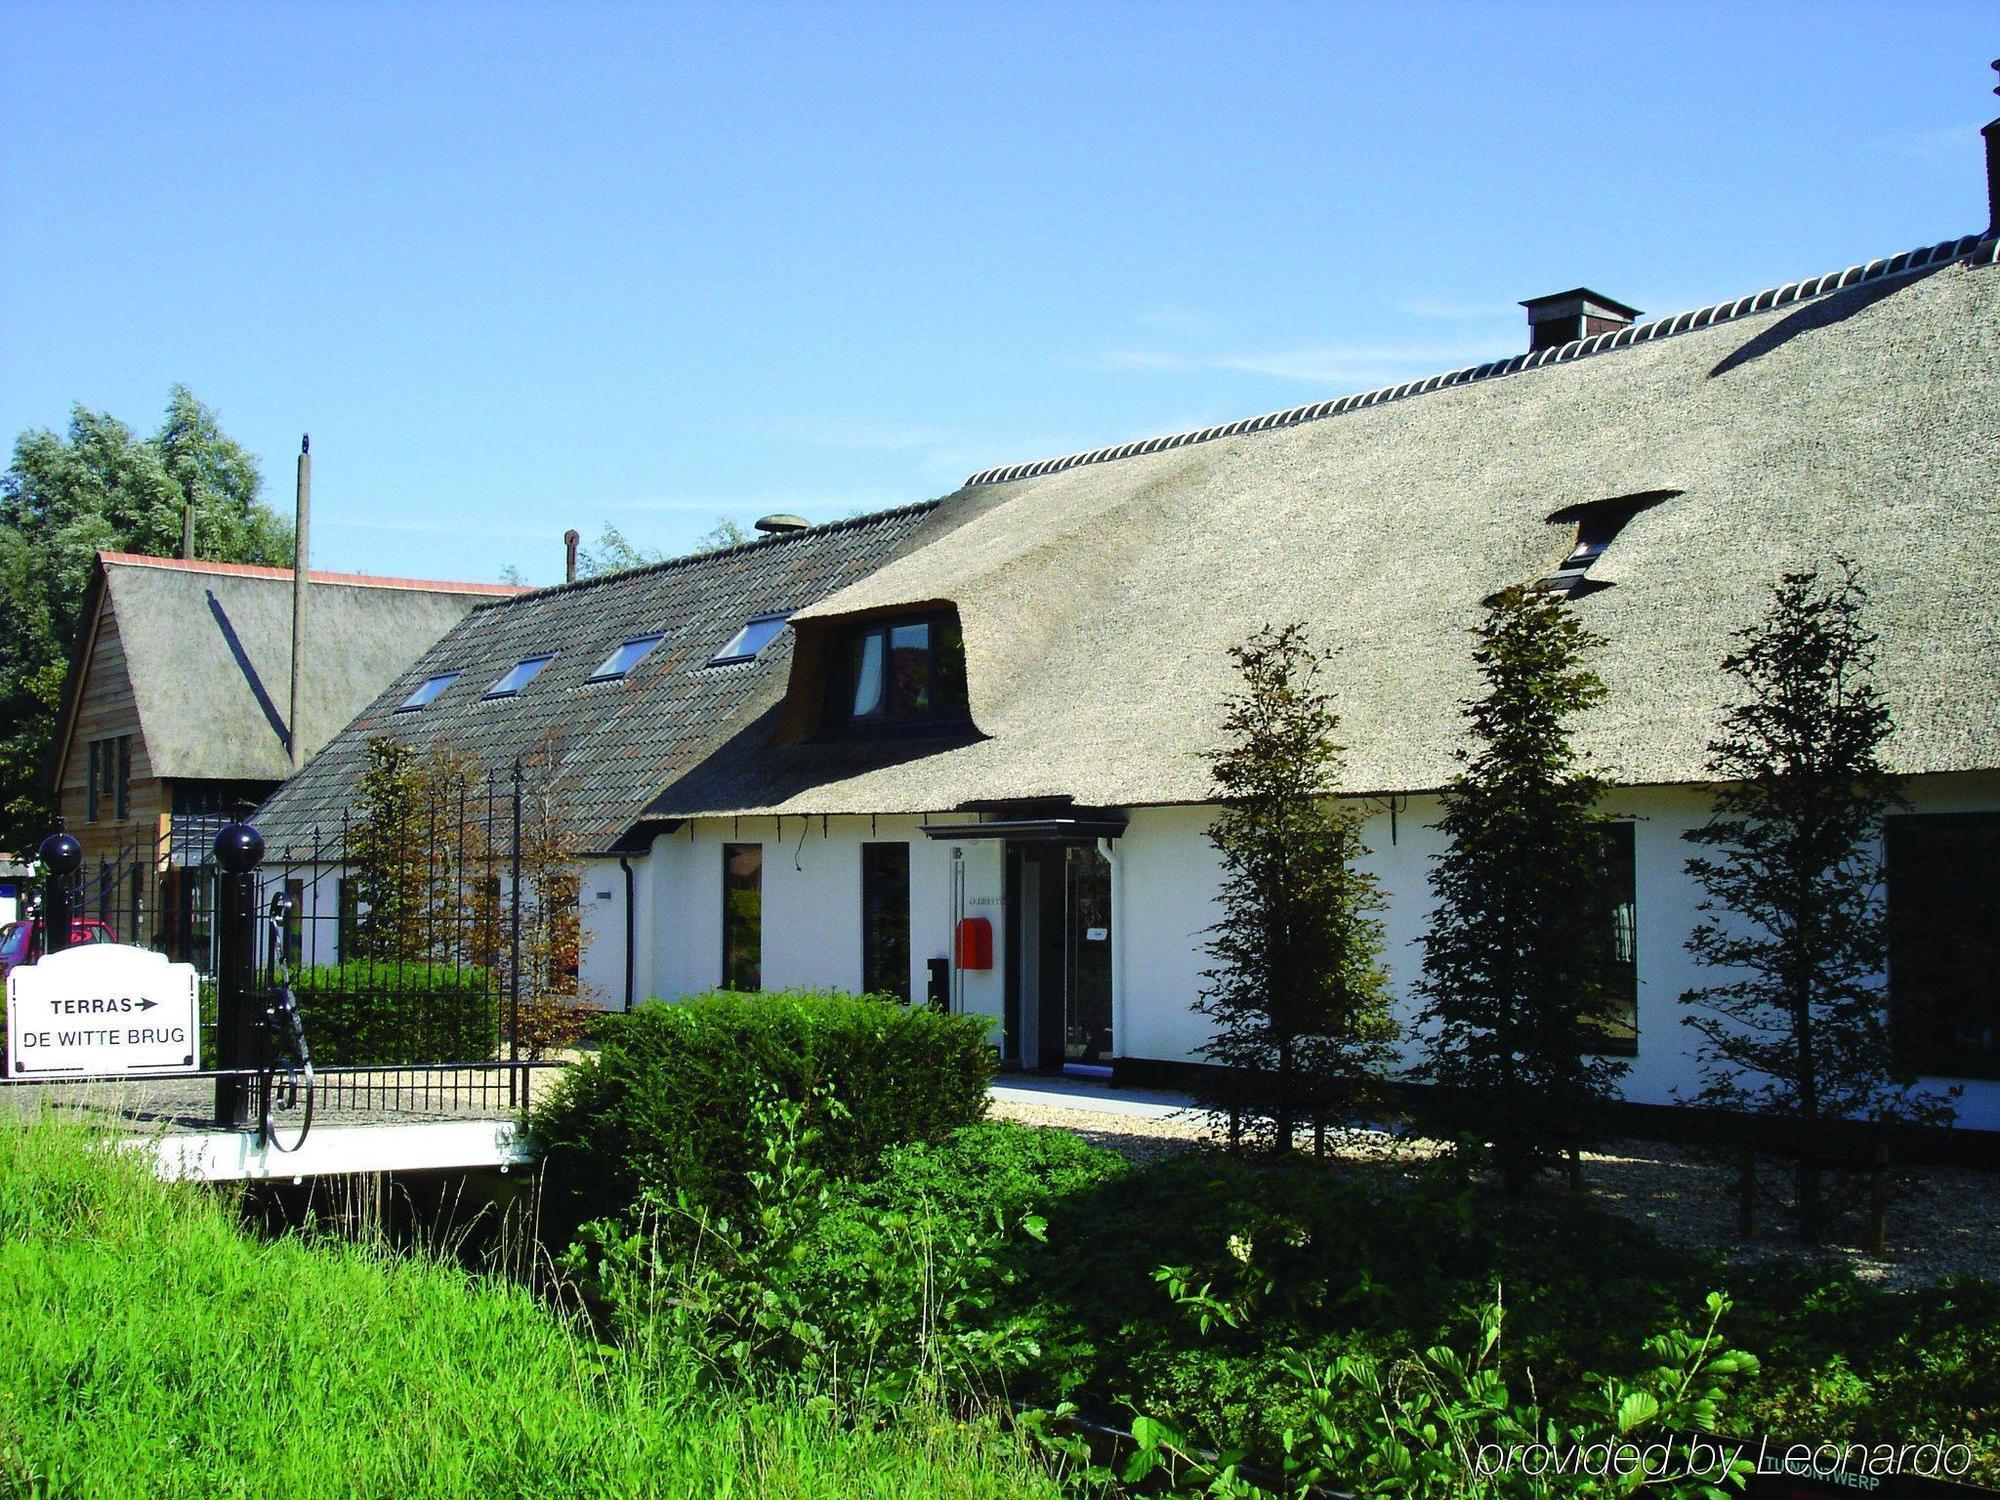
(781, 523)
(1564, 317)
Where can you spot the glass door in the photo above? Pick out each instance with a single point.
(1086, 958)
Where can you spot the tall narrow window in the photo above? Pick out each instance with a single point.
(562, 931)
(885, 920)
(295, 923)
(1616, 1028)
(346, 916)
(123, 783)
(96, 782)
(1944, 941)
(743, 916)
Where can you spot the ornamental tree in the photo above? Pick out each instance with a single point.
(1794, 1024)
(1516, 968)
(1298, 995)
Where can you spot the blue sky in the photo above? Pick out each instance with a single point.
(520, 268)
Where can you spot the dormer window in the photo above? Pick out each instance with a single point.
(1597, 523)
(892, 673)
(758, 632)
(625, 658)
(428, 691)
(519, 676)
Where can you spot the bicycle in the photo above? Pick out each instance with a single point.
(286, 1077)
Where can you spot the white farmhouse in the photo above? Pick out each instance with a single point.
(985, 781)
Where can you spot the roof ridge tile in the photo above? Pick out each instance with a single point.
(1973, 248)
(348, 580)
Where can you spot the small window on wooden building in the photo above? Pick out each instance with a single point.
(885, 920)
(1616, 898)
(743, 916)
(1944, 941)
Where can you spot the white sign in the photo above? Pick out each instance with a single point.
(102, 1008)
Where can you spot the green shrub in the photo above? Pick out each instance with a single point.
(388, 1014)
(668, 1101)
(318, 1369)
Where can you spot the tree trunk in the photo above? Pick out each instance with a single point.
(1285, 1121)
(1878, 1200)
(1746, 1196)
(1575, 1170)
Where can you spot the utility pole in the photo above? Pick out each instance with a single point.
(301, 564)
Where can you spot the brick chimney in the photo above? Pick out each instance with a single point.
(1564, 317)
(1992, 134)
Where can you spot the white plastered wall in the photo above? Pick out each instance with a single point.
(1165, 877)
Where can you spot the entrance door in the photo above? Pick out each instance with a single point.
(1059, 956)
(1086, 957)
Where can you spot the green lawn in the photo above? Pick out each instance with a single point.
(153, 1348)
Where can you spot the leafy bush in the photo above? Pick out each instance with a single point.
(308, 1367)
(668, 1102)
(871, 1310)
(387, 1014)
(1445, 1425)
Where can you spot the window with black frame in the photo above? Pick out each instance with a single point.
(1944, 941)
(743, 916)
(900, 674)
(885, 920)
(1615, 1030)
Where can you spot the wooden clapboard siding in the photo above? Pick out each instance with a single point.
(105, 709)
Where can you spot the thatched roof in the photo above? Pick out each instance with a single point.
(603, 747)
(1856, 415)
(208, 649)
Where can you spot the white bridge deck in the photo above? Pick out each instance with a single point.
(366, 1121)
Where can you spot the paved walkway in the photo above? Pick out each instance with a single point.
(1089, 1096)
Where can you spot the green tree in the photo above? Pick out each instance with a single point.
(404, 856)
(1795, 1026)
(1516, 959)
(1297, 994)
(65, 498)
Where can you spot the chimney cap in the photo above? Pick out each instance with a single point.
(779, 524)
(1578, 299)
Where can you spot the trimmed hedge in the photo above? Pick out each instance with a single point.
(388, 1014)
(667, 1102)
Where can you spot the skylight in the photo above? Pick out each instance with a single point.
(518, 676)
(626, 657)
(757, 633)
(427, 691)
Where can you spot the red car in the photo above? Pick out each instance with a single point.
(18, 939)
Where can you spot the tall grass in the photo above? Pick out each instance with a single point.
(150, 1347)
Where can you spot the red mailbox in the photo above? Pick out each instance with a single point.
(975, 943)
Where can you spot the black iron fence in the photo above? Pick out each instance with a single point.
(432, 953)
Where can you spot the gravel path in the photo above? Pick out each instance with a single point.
(1945, 1221)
